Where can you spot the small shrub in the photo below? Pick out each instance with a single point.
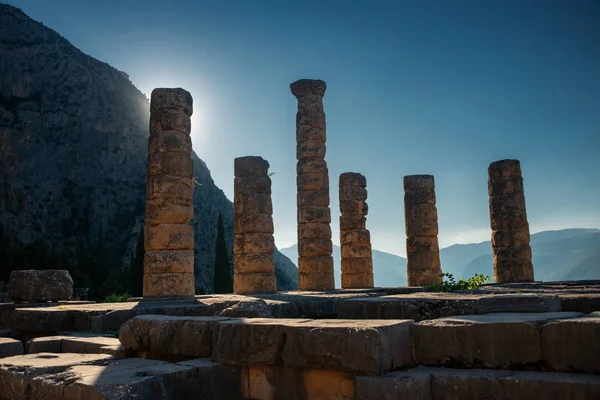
(116, 298)
(449, 284)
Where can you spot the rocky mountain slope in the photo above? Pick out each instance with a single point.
(73, 147)
(569, 254)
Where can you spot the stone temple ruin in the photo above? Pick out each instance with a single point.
(513, 339)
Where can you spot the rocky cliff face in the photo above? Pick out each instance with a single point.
(73, 148)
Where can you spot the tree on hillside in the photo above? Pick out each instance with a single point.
(136, 270)
(223, 282)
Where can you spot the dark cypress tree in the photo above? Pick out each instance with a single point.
(136, 270)
(223, 282)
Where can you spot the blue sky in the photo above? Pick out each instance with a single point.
(433, 87)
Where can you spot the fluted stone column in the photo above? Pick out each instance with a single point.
(315, 263)
(508, 219)
(168, 237)
(355, 239)
(420, 215)
(254, 245)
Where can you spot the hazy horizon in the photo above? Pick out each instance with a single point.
(435, 88)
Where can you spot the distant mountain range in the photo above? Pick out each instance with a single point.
(568, 254)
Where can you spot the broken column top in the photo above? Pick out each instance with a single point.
(353, 179)
(176, 98)
(418, 182)
(307, 87)
(250, 165)
(504, 168)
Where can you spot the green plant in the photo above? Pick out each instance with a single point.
(115, 298)
(223, 281)
(449, 284)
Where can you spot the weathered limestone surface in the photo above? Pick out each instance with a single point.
(40, 285)
(502, 340)
(508, 219)
(71, 344)
(428, 383)
(168, 237)
(420, 216)
(315, 262)
(357, 259)
(254, 245)
(10, 347)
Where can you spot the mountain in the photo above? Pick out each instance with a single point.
(73, 148)
(388, 269)
(569, 254)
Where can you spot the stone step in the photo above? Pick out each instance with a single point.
(563, 341)
(75, 344)
(10, 347)
(83, 376)
(429, 383)
(424, 306)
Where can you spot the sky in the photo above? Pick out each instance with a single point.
(413, 87)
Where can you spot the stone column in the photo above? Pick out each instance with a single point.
(315, 263)
(508, 219)
(355, 239)
(168, 237)
(420, 216)
(254, 245)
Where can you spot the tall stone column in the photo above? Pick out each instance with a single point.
(355, 239)
(168, 237)
(254, 245)
(420, 215)
(315, 263)
(508, 219)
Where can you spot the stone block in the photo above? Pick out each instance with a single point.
(504, 169)
(305, 133)
(420, 197)
(169, 237)
(311, 103)
(573, 345)
(311, 116)
(168, 261)
(423, 275)
(352, 193)
(252, 223)
(504, 186)
(419, 183)
(513, 264)
(357, 281)
(311, 148)
(40, 285)
(423, 261)
(314, 181)
(420, 220)
(248, 309)
(252, 184)
(169, 284)
(216, 381)
(352, 179)
(10, 347)
(518, 303)
(359, 207)
(308, 87)
(312, 165)
(254, 243)
(317, 281)
(405, 385)
(168, 119)
(169, 211)
(355, 236)
(87, 345)
(422, 245)
(175, 164)
(508, 205)
(251, 341)
(502, 340)
(177, 98)
(357, 266)
(356, 251)
(45, 344)
(312, 214)
(117, 351)
(253, 263)
(515, 237)
(333, 344)
(253, 203)
(314, 230)
(254, 283)
(169, 187)
(318, 198)
(164, 335)
(249, 166)
(352, 222)
(317, 247)
(170, 142)
(315, 265)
